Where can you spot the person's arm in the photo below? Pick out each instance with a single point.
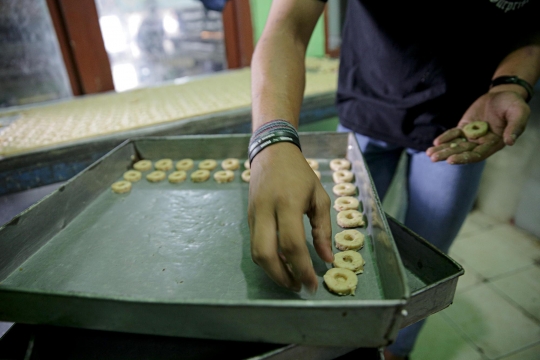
(278, 70)
(503, 107)
(282, 186)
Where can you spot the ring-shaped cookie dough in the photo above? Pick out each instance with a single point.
(132, 175)
(224, 176)
(475, 129)
(247, 165)
(164, 164)
(184, 164)
(246, 175)
(156, 176)
(349, 240)
(121, 187)
(350, 260)
(343, 176)
(340, 164)
(314, 164)
(208, 164)
(230, 164)
(143, 165)
(200, 175)
(341, 281)
(346, 203)
(350, 218)
(177, 176)
(345, 189)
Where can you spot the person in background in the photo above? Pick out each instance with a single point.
(412, 75)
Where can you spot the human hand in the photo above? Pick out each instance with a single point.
(282, 189)
(506, 113)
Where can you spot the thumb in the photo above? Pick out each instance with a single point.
(516, 118)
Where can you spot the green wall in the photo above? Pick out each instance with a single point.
(259, 13)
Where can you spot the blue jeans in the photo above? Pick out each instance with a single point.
(439, 198)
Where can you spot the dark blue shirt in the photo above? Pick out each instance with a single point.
(410, 69)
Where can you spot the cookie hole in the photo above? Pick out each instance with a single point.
(348, 259)
(340, 278)
(346, 202)
(475, 127)
(348, 237)
(349, 216)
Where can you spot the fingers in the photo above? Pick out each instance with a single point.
(506, 113)
(321, 225)
(264, 250)
(517, 117)
(292, 243)
(276, 212)
(448, 136)
(488, 145)
(444, 151)
(465, 158)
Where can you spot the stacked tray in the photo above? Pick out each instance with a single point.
(174, 259)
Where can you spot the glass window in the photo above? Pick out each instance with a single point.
(151, 41)
(31, 64)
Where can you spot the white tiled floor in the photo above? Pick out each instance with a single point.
(496, 310)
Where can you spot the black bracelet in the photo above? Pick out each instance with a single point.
(271, 133)
(257, 140)
(271, 141)
(502, 80)
(278, 123)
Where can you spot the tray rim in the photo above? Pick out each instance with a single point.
(205, 301)
(297, 302)
(434, 249)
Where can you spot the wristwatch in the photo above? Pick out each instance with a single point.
(502, 80)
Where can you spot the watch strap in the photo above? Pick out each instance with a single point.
(503, 80)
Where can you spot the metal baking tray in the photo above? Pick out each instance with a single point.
(174, 259)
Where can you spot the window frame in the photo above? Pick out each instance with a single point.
(83, 50)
